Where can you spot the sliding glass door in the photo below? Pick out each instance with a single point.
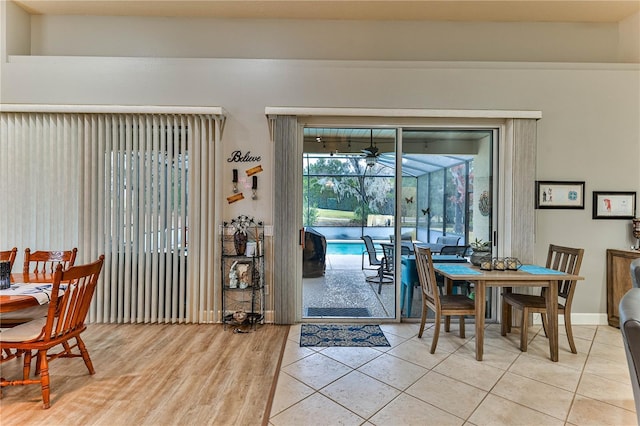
(446, 196)
(348, 196)
(356, 188)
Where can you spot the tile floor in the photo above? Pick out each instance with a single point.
(406, 385)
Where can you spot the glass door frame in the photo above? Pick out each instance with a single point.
(517, 146)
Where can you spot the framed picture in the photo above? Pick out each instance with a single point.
(559, 195)
(614, 205)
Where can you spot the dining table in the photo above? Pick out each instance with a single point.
(12, 301)
(524, 276)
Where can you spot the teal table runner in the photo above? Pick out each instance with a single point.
(453, 269)
(539, 270)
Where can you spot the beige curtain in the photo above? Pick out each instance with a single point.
(287, 253)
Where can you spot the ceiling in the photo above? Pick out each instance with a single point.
(594, 11)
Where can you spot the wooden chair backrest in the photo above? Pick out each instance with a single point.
(568, 260)
(42, 261)
(68, 311)
(427, 276)
(9, 255)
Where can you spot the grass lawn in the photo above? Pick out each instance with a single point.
(335, 214)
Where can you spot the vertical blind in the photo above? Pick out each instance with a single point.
(136, 187)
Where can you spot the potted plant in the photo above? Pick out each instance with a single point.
(481, 249)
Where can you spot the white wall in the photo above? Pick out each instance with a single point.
(315, 39)
(590, 128)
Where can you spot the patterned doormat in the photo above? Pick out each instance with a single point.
(342, 335)
(338, 312)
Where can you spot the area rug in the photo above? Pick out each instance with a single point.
(338, 312)
(342, 335)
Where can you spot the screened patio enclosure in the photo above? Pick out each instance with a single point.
(346, 198)
(350, 190)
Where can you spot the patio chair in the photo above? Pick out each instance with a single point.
(454, 250)
(371, 252)
(381, 277)
(387, 268)
(64, 321)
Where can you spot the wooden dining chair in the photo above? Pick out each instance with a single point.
(9, 255)
(65, 320)
(442, 305)
(565, 259)
(43, 261)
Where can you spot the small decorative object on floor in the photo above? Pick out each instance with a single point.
(239, 316)
(342, 335)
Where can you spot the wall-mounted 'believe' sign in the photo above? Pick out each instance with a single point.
(239, 157)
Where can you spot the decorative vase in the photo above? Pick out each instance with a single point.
(478, 256)
(240, 242)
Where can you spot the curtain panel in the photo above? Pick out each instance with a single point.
(137, 188)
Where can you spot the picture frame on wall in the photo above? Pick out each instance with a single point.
(559, 194)
(614, 205)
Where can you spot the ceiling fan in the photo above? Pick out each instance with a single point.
(371, 153)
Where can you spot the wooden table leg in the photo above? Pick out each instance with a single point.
(448, 283)
(505, 327)
(480, 312)
(552, 319)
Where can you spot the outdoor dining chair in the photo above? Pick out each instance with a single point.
(564, 259)
(71, 295)
(442, 305)
(371, 252)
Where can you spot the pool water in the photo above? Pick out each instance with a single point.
(345, 248)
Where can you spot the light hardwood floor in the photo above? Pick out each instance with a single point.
(154, 374)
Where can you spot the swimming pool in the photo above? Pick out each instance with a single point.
(355, 247)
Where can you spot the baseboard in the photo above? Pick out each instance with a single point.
(578, 319)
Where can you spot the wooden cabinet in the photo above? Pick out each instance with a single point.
(618, 280)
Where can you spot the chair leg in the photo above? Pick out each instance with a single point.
(506, 317)
(462, 326)
(436, 333)
(26, 365)
(423, 319)
(544, 324)
(85, 355)
(524, 330)
(44, 378)
(567, 327)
